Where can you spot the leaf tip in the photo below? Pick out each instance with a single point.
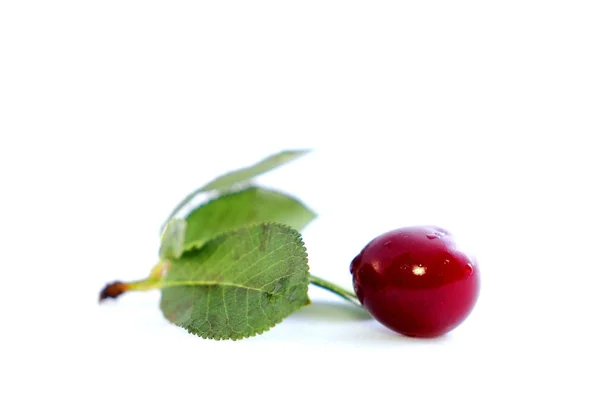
(301, 152)
(112, 291)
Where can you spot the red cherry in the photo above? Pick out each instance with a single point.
(415, 281)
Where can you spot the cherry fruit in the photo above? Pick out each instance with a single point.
(415, 281)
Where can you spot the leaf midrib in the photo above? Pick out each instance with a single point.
(209, 283)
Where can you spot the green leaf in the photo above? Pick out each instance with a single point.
(247, 207)
(239, 284)
(173, 239)
(228, 181)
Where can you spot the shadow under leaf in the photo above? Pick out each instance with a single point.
(331, 311)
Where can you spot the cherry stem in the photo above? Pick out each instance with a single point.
(116, 289)
(333, 288)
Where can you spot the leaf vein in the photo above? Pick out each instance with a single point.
(269, 267)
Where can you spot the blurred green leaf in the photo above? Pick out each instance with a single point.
(228, 181)
(235, 210)
(173, 239)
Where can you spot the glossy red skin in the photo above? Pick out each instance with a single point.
(415, 281)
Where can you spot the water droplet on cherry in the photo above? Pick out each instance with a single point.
(469, 269)
(435, 235)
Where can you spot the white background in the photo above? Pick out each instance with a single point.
(480, 117)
